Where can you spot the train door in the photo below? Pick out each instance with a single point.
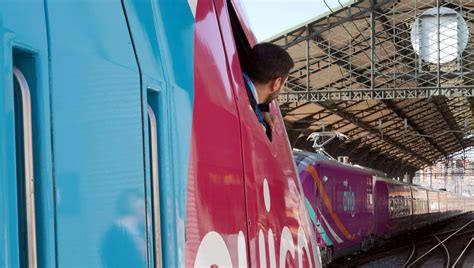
(433, 207)
(320, 210)
(26, 208)
(164, 47)
(315, 183)
(279, 229)
(98, 136)
(443, 204)
(413, 204)
(382, 207)
(347, 204)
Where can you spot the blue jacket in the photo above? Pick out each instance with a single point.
(257, 108)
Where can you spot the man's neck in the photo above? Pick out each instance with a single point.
(259, 88)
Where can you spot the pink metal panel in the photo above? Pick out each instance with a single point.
(216, 205)
(244, 206)
(279, 228)
(350, 215)
(381, 208)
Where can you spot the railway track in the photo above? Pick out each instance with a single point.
(441, 248)
(436, 248)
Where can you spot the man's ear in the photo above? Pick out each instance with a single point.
(276, 84)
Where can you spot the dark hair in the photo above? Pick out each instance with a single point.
(268, 61)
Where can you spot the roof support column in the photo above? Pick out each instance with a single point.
(307, 61)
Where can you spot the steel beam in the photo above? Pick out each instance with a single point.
(471, 105)
(376, 94)
(351, 118)
(415, 126)
(443, 108)
(328, 24)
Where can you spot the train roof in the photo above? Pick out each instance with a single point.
(418, 187)
(304, 158)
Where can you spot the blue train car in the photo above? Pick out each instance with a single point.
(91, 76)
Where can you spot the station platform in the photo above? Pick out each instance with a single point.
(447, 244)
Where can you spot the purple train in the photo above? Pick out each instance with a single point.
(352, 207)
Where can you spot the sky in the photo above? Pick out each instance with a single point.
(270, 17)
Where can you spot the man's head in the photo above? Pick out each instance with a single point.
(268, 67)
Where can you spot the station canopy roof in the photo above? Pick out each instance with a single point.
(396, 77)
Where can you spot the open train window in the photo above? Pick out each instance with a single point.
(243, 48)
(241, 42)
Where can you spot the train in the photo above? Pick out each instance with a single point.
(127, 140)
(353, 208)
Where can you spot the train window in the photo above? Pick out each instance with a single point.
(391, 206)
(416, 204)
(370, 202)
(339, 198)
(240, 39)
(399, 206)
(243, 48)
(28, 165)
(406, 208)
(153, 120)
(409, 205)
(345, 199)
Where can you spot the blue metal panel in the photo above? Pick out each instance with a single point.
(97, 127)
(23, 33)
(8, 210)
(148, 57)
(165, 50)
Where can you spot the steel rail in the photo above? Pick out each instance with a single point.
(462, 253)
(412, 254)
(441, 242)
(448, 257)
